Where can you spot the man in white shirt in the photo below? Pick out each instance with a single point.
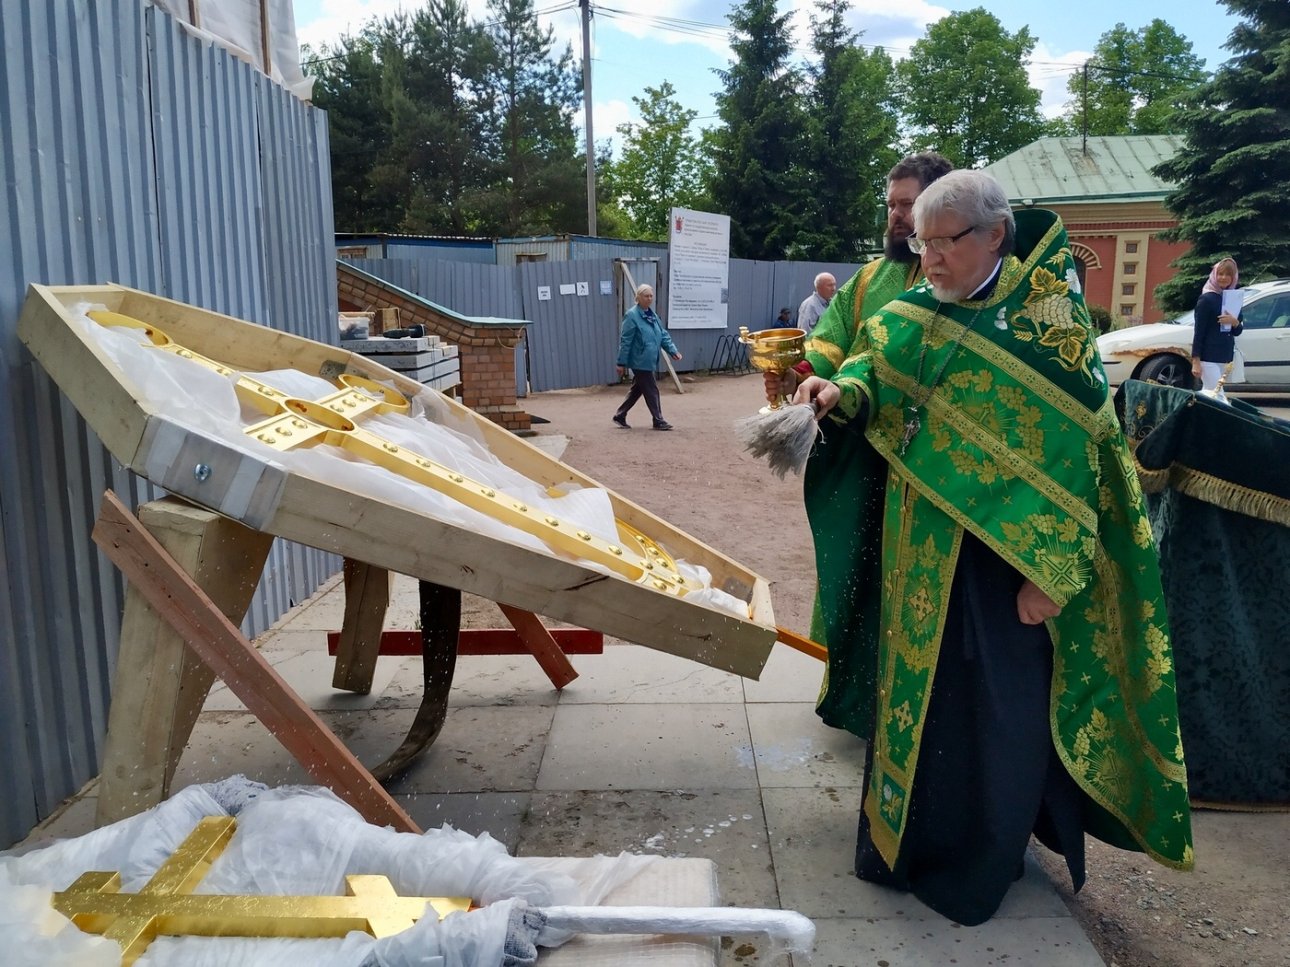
(814, 305)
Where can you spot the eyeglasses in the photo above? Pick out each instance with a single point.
(940, 245)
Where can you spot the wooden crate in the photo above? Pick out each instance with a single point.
(319, 513)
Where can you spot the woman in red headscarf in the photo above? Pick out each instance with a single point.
(1214, 344)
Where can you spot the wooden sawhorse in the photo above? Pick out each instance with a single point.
(191, 576)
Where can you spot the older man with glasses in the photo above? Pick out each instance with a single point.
(995, 621)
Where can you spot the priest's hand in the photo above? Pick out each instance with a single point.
(779, 384)
(823, 393)
(1033, 606)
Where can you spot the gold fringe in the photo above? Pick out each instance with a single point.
(1216, 491)
(1241, 807)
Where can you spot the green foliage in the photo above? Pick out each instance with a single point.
(1102, 319)
(348, 86)
(851, 141)
(965, 90)
(440, 125)
(538, 182)
(1134, 82)
(757, 179)
(660, 167)
(1233, 175)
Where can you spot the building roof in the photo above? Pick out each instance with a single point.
(1074, 170)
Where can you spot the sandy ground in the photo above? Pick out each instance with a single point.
(1230, 911)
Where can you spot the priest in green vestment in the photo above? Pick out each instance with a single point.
(829, 468)
(994, 615)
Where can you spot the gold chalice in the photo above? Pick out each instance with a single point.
(774, 351)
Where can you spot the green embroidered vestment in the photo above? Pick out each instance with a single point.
(1018, 443)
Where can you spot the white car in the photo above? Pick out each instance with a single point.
(1162, 351)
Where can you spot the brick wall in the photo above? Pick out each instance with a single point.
(487, 352)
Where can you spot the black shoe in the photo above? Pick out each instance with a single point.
(621, 421)
(664, 425)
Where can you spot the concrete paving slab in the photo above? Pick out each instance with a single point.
(309, 673)
(789, 676)
(793, 748)
(914, 942)
(500, 814)
(648, 747)
(812, 840)
(632, 673)
(725, 826)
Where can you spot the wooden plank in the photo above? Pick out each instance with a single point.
(367, 598)
(319, 513)
(159, 685)
(541, 645)
(484, 641)
(248, 675)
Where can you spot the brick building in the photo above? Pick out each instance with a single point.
(1113, 208)
(487, 346)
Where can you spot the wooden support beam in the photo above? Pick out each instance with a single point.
(219, 644)
(367, 598)
(483, 641)
(540, 645)
(159, 685)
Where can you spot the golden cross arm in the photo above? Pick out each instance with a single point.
(166, 905)
(292, 423)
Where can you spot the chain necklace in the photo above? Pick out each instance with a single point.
(913, 423)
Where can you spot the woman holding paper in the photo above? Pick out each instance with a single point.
(1218, 323)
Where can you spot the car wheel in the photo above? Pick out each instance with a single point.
(1168, 369)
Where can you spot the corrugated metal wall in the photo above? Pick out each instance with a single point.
(132, 153)
(573, 340)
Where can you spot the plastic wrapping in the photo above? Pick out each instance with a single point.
(291, 840)
(204, 401)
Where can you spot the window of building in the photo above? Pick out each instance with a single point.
(1128, 288)
(1126, 310)
(1130, 268)
(530, 256)
(1130, 248)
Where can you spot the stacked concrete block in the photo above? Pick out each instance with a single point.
(427, 359)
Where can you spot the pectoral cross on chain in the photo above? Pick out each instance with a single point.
(912, 426)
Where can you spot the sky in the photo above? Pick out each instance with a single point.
(685, 41)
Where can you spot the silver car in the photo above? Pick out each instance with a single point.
(1162, 351)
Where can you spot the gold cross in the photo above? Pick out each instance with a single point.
(167, 906)
(292, 423)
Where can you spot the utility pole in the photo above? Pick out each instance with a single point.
(1084, 110)
(586, 105)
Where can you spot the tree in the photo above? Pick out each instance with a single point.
(660, 166)
(438, 99)
(348, 85)
(852, 132)
(1134, 82)
(538, 178)
(965, 90)
(1233, 174)
(758, 166)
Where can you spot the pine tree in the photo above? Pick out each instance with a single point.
(538, 178)
(1233, 174)
(852, 133)
(438, 120)
(758, 176)
(348, 86)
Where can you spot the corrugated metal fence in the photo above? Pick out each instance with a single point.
(572, 338)
(131, 153)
